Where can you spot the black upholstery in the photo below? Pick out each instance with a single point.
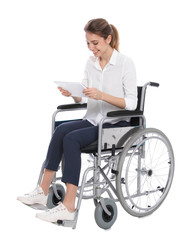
(136, 121)
(72, 106)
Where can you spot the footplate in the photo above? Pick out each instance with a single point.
(67, 223)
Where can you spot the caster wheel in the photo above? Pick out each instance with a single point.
(102, 219)
(95, 202)
(52, 200)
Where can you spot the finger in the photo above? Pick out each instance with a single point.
(89, 91)
(65, 92)
(62, 90)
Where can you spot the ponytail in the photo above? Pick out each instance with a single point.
(115, 38)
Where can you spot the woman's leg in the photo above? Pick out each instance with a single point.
(71, 190)
(73, 142)
(46, 180)
(55, 151)
(69, 200)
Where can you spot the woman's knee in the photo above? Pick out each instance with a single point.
(70, 140)
(60, 130)
(79, 138)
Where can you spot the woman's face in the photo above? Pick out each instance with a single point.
(98, 45)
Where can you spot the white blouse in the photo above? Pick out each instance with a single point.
(118, 78)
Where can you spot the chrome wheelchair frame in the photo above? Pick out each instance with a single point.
(128, 169)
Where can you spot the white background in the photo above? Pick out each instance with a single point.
(44, 41)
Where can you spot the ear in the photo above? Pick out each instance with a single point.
(109, 38)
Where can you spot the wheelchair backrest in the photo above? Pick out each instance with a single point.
(140, 105)
(117, 136)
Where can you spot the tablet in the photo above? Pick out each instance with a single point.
(75, 88)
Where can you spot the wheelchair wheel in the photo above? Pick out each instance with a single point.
(146, 169)
(102, 219)
(52, 200)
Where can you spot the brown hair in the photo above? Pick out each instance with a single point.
(102, 28)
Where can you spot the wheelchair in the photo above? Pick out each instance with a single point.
(132, 165)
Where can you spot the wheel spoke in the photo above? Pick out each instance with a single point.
(147, 172)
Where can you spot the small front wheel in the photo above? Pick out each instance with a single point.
(52, 200)
(102, 219)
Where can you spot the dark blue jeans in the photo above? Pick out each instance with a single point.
(68, 139)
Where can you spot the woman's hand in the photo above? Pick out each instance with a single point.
(68, 94)
(93, 93)
(64, 92)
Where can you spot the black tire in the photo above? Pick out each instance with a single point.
(102, 219)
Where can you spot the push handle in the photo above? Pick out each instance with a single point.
(154, 84)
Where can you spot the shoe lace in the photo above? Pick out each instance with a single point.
(34, 193)
(58, 208)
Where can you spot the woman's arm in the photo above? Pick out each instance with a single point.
(98, 95)
(116, 101)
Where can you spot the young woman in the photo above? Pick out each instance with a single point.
(111, 85)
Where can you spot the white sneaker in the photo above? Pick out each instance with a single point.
(57, 213)
(35, 197)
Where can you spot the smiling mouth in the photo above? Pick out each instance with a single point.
(95, 52)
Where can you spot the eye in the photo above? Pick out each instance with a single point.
(95, 43)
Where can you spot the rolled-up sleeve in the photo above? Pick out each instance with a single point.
(130, 85)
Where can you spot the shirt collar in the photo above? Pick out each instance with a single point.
(112, 60)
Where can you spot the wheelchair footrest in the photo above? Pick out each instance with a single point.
(66, 223)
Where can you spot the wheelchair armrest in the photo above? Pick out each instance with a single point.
(124, 113)
(72, 106)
